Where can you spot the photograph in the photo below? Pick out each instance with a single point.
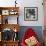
(30, 13)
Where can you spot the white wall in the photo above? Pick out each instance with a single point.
(32, 3)
(26, 3)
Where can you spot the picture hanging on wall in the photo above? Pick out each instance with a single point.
(30, 13)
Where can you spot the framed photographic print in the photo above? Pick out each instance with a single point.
(13, 12)
(7, 34)
(13, 20)
(5, 12)
(30, 13)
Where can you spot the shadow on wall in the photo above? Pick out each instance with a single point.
(37, 29)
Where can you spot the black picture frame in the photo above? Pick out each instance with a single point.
(8, 34)
(30, 13)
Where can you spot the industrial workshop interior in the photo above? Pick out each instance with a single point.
(22, 22)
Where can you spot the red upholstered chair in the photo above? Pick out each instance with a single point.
(29, 33)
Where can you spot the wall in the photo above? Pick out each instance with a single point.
(26, 3)
(30, 3)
